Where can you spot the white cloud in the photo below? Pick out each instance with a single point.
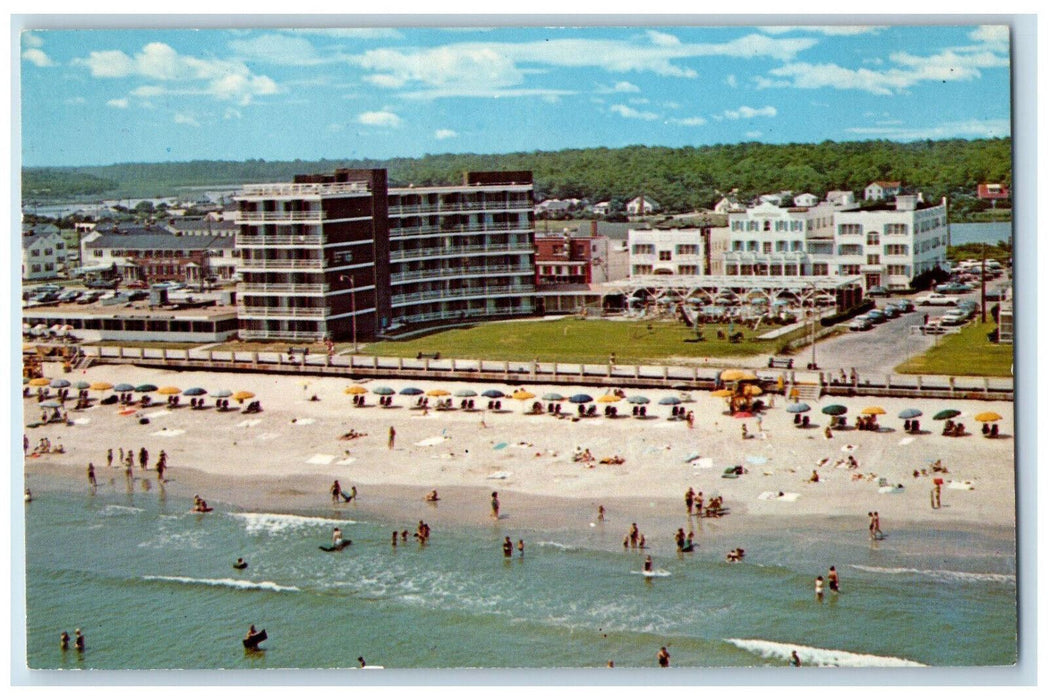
(974, 128)
(621, 86)
(352, 32)
(639, 101)
(75, 101)
(148, 91)
(689, 121)
(379, 118)
(990, 34)
(441, 134)
(630, 113)
(38, 58)
(662, 39)
(187, 119)
(119, 103)
(231, 113)
(826, 30)
(731, 81)
(227, 80)
(745, 112)
(277, 48)
(31, 40)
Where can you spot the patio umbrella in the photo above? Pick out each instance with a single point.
(355, 390)
(50, 404)
(523, 395)
(835, 410)
(465, 393)
(987, 417)
(383, 391)
(908, 413)
(222, 393)
(124, 387)
(195, 391)
(798, 408)
(40, 381)
(669, 401)
(145, 388)
(168, 390)
(609, 398)
(580, 398)
(946, 414)
(734, 375)
(722, 393)
(99, 386)
(873, 411)
(637, 398)
(59, 383)
(492, 394)
(82, 384)
(243, 395)
(411, 391)
(438, 392)
(752, 390)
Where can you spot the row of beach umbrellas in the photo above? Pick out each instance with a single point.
(906, 414)
(519, 394)
(141, 388)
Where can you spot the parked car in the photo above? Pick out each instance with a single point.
(876, 316)
(69, 296)
(904, 305)
(936, 299)
(138, 284)
(957, 317)
(891, 311)
(860, 323)
(90, 297)
(44, 298)
(102, 284)
(877, 291)
(999, 294)
(952, 288)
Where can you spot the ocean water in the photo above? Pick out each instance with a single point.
(980, 232)
(152, 586)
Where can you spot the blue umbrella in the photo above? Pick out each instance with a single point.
(59, 383)
(411, 391)
(50, 404)
(124, 387)
(465, 393)
(493, 394)
(798, 408)
(195, 391)
(552, 396)
(910, 413)
(669, 401)
(81, 384)
(383, 391)
(581, 398)
(637, 398)
(222, 393)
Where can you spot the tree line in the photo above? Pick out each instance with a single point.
(679, 179)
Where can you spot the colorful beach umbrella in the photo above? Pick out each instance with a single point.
(168, 390)
(552, 396)
(195, 391)
(580, 398)
(638, 399)
(124, 387)
(40, 381)
(669, 401)
(492, 394)
(798, 408)
(988, 417)
(145, 388)
(946, 414)
(835, 410)
(50, 404)
(734, 375)
(873, 411)
(59, 383)
(438, 392)
(609, 398)
(383, 391)
(82, 384)
(222, 393)
(522, 395)
(722, 393)
(243, 395)
(355, 390)
(908, 413)
(411, 391)
(101, 386)
(752, 390)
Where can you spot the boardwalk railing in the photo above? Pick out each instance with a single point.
(607, 374)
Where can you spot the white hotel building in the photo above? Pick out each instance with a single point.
(886, 244)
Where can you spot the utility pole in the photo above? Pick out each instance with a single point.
(982, 282)
(353, 305)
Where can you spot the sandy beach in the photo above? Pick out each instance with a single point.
(286, 457)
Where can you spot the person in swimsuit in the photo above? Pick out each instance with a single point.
(634, 533)
(818, 587)
(664, 658)
(600, 513)
(520, 548)
(336, 491)
(91, 476)
(80, 645)
(495, 504)
(63, 641)
(336, 536)
(794, 659)
(834, 580)
(649, 565)
(507, 547)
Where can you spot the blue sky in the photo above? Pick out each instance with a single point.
(131, 95)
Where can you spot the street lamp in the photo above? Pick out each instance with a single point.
(813, 364)
(353, 304)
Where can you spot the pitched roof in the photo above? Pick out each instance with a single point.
(152, 239)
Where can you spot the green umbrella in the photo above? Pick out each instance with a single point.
(638, 399)
(82, 384)
(146, 388)
(124, 387)
(835, 410)
(946, 414)
(552, 396)
(465, 393)
(383, 391)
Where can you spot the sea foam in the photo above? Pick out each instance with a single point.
(939, 574)
(275, 523)
(226, 583)
(814, 656)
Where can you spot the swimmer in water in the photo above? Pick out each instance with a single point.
(240, 563)
(507, 547)
(834, 580)
(794, 659)
(818, 588)
(649, 565)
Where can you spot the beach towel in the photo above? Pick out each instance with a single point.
(347, 460)
(500, 475)
(890, 489)
(906, 440)
(321, 459)
(430, 441)
(961, 485)
(169, 433)
(703, 463)
(303, 421)
(157, 414)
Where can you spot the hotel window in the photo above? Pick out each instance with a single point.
(737, 246)
(820, 269)
(731, 269)
(896, 249)
(665, 255)
(873, 238)
(642, 269)
(687, 270)
(849, 269)
(901, 270)
(688, 249)
(766, 247)
(767, 225)
(873, 259)
(849, 230)
(643, 249)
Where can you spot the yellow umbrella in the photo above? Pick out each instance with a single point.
(101, 386)
(522, 395)
(609, 398)
(438, 392)
(721, 393)
(355, 389)
(242, 395)
(873, 411)
(752, 390)
(40, 381)
(987, 417)
(169, 390)
(734, 375)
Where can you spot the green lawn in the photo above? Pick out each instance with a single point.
(967, 353)
(574, 340)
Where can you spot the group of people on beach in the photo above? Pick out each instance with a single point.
(78, 642)
(832, 580)
(338, 495)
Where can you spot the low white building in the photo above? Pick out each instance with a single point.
(43, 255)
(806, 199)
(780, 241)
(666, 252)
(639, 206)
(882, 189)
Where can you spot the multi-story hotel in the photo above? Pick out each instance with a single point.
(343, 256)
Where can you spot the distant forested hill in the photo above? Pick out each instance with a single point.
(679, 179)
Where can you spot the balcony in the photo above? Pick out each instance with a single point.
(282, 288)
(277, 334)
(456, 272)
(453, 207)
(405, 231)
(303, 189)
(318, 312)
(465, 314)
(278, 264)
(280, 217)
(422, 253)
(268, 241)
(448, 294)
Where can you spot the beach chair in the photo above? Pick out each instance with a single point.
(993, 431)
(592, 411)
(805, 422)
